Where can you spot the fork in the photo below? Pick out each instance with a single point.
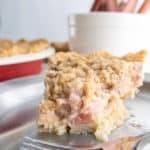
(136, 143)
(35, 144)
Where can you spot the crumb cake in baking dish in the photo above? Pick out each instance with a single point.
(86, 93)
(22, 46)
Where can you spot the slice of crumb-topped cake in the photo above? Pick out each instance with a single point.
(85, 93)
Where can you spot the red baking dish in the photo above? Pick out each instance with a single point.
(20, 70)
(22, 65)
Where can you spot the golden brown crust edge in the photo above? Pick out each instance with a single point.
(135, 57)
(138, 57)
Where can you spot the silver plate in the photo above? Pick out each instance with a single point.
(147, 77)
(18, 111)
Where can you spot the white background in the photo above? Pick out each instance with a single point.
(38, 18)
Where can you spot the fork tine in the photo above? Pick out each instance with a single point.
(34, 142)
(28, 146)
